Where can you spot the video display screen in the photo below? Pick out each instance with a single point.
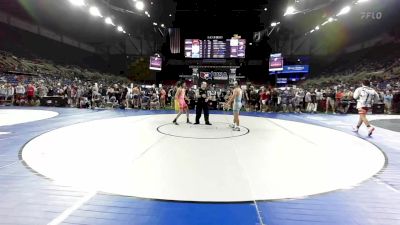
(215, 49)
(275, 62)
(155, 63)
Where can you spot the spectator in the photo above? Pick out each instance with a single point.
(330, 100)
(163, 97)
(154, 102)
(387, 100)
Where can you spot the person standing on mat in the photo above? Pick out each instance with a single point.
(236, 99)
(365, 97)
(202, 103)
(181, 98)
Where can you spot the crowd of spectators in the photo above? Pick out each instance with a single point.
(37, 82)
(22, 90)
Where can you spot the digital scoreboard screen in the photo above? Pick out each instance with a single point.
(215, 49)
(155, 63)
(275, 62)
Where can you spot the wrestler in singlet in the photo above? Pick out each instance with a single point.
(181, 99)
(237, 102)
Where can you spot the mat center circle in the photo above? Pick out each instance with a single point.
(218, 130)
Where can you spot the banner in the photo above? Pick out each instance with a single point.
(175, 40)
(214, 75)
(296, 69)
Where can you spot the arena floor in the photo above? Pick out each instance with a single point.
(70, 166)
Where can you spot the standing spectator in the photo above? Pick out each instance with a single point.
(10, 93)
(387, 100)
(274, 100)
(20, 93)
(163, 98)
(3, 93)
(298, 100)
(254, 99)
(263, 100)
(154, 102)
(213, 97)
(30, 93)
(136, 96)
(339, 100)
(247, 99)
(314, 102)
(309, 104)
(285, 100)
(347, 99)
(330, 100)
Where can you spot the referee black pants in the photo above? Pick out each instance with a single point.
(202, 106)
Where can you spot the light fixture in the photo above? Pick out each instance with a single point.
(139, 5)
(108, 20)
(361, 1)
(290, 11)
(265, 9)
(317, 28)
(162, 25)
(330, 19)
(120, 29)
(273, 24)
(170, 15)
(312, 31)
(154, 23)
(148, 15)
(94, 11)
(345, 10)
(77, 2)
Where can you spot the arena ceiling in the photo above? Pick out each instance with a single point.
(195, 17)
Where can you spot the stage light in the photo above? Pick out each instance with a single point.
(265, 9)
(139, 5)
(330, 19)
(312, 31)
(108, 20)
(317, 28)
(345, 10)
(120, 29)
(290, 11)
(77, 2)
(170, 15)
(94, 11)
(273, 24)
(162, 25)
(148, 15)
(155, 24)
(146, 12)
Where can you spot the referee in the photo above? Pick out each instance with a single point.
(202, 103)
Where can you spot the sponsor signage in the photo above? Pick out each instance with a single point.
(296, 69)
(214, 75)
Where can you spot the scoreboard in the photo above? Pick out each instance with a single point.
(215, 49)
